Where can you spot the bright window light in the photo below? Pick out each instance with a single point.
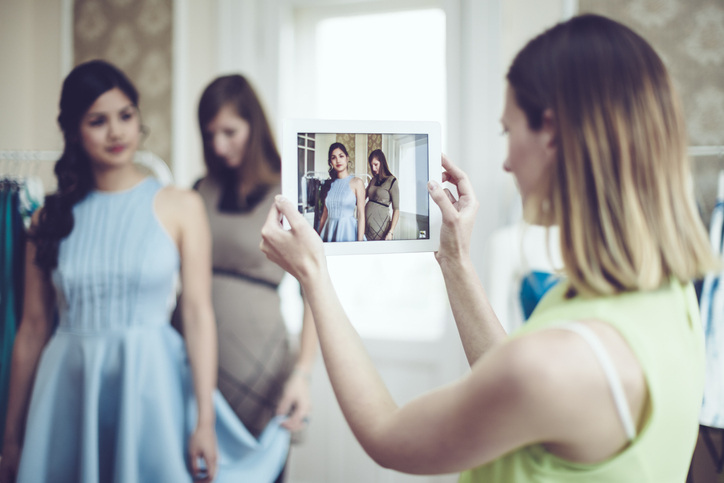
(388, 66)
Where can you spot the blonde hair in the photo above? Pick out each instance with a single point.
(621, 187)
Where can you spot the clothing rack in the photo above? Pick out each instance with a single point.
(706, 151)
(316, 174)
(13, 162)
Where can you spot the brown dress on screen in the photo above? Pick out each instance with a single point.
(384, 197)
(255, 358)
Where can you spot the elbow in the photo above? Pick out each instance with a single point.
(378, 451)
(33, 330)
(196, 317)
(390, 459)
(382, 446)
(386, 461)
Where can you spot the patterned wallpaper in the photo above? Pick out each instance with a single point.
(689, 37)
(374, 141)
(136, 36)
(349, 142)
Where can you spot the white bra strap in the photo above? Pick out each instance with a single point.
(614, 382)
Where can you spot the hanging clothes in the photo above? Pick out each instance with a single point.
(19, 198)
(314, 191)
(712, 318)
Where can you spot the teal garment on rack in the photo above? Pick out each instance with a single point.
(533, 287)
(12, 249)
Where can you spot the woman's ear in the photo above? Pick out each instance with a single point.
(549, 127)
(549, 133)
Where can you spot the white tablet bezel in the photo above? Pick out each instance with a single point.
(290, 176)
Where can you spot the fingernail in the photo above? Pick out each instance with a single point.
(432, 185)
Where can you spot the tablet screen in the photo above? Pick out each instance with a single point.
(362, 185)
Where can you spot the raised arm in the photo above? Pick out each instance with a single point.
(32, 336)
(511, 398)
(184, 211)
(477, 324)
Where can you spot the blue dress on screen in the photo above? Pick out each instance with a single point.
(113, 398)
(341, 201)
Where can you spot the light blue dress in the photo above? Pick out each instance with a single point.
(341, 201)
(113, 398)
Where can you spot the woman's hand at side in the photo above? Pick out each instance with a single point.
(296, 401)
(202, 447)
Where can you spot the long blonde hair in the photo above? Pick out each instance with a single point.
(621, 188)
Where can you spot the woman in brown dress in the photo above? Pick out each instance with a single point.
(383, 191)
(260, 373)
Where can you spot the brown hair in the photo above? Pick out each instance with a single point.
(262, 163)
(384, 168)
(620, 189)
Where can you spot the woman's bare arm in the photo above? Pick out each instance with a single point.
(33, 334)
(358, 187)
(521, 392)
(183, 211)
(296, 399)
(479, 327)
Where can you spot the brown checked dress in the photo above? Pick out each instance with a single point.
(383, 198)
(255, 359)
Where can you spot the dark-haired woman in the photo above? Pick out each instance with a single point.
(604, 382)
(383, 192)
(260, 373)
(343, 217)
(112, 394)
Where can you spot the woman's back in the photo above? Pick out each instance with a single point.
(663, 330)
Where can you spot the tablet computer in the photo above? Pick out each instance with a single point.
(362, 185)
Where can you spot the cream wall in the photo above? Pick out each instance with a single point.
(30, 59)
(35, 56)
(196, 61)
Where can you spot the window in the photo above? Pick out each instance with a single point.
(305, 159)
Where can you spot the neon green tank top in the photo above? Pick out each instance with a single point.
(664, 331)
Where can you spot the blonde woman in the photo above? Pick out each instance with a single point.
(604, 382)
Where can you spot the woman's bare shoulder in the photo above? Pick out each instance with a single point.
(554, 376)
(357, 182)
(179, 199)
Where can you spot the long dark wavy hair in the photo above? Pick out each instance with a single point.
(262, 163)
(85, 83)
(333, 172)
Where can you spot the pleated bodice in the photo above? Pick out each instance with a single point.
(118, 266)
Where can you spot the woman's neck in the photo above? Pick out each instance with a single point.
(117, 178)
